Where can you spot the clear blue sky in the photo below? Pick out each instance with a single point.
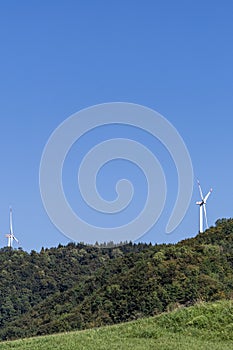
(58, 57)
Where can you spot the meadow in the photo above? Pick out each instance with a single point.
(203, 326)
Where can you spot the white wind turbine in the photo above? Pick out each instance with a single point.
(202, 206)
(10, 236)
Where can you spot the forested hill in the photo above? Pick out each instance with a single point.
(78, 286)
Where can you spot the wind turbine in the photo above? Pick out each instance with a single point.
(11, 237)
(202, 206)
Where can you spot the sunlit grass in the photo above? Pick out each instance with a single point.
(203, 326)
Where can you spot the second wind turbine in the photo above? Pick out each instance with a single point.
(10, 236)
(202, 206)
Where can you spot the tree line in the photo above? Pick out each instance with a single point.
(78, 286)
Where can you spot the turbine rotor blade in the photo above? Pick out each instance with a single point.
(11, 224)
(200, 190)
(206, 221)
(208, 194)
(15, 239)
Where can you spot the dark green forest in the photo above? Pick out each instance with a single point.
(78, 286)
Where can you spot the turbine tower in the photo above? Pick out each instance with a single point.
(10, 236)
(202, 206)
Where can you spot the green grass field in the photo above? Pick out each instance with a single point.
(203, 326)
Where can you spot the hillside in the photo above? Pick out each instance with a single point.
(200, 327)
(79, 287)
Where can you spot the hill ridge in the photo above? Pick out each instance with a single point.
(78, 287)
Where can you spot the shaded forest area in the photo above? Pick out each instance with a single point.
(78, 287)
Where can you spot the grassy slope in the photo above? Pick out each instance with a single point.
(203, 326)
